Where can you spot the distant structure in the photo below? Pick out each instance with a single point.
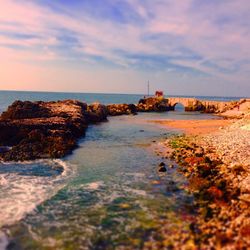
(158, 93)
(148, 88)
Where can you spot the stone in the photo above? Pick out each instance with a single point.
(153, 104)
(121, 109)
(96, 112)
(162, 167)
(35, 130)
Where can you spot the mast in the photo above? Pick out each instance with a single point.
(148, 88)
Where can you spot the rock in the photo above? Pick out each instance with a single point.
(199, 152)
(96, 113)
(121, 109)
(162, 167)
(36, 130)
(155, 182)
(171, 186)
(124, 206)
(150, 104)
(25, 110)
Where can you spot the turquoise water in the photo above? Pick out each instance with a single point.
(107, 195)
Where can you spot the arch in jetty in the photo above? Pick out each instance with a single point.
(208, 106)
(180, 106)
(185, 102)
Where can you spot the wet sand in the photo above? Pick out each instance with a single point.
(195, 127)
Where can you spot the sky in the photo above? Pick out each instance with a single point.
(183, 47)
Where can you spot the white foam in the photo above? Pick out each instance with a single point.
(20, 194)
(136, 191)
(68, 169)
(93, 185)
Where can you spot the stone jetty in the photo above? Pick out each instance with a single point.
(206, 106)
(160, 104)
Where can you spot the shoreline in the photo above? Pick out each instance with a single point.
(38, 129)
(211, 177)
(215, 158)
(195, 127)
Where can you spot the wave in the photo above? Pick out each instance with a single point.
(23, 186)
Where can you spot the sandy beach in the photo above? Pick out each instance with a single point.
(195, 127)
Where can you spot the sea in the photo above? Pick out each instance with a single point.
(108, 194)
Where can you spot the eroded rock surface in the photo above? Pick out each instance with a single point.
(121, 109)
(34, 130)
(151, 104)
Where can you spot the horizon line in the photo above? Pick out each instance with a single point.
(112, 93)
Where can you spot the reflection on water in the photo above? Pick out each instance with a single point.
(115, 199)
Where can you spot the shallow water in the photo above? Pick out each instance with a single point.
(107, 195)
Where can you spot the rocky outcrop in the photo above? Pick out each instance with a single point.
(34, 130)
(199, 106)
(121, 109)
(96, 113)
(153, 104)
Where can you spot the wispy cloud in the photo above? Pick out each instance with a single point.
(200, 38)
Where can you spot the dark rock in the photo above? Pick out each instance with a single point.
(96, 113)
(37, 130)
(25, 110)
(153, 104)
(162, 167)
(171, 186)
(121, 109)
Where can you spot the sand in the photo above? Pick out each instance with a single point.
(195, 127)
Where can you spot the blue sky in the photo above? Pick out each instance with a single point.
(195, 47)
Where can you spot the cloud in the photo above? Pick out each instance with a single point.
(208, 38)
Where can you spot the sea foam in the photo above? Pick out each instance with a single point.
(21, 192)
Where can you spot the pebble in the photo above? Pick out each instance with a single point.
(229, 151)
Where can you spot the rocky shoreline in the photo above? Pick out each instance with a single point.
(217, 166)
(36, 130)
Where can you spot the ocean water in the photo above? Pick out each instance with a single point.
(8, 97)
(107, 195)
